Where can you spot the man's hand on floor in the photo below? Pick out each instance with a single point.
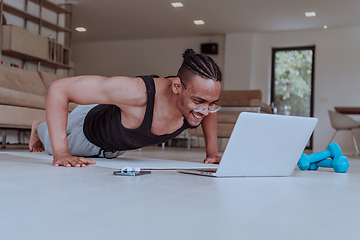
(213, 160)
(67, 160)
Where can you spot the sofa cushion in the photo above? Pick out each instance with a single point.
(20, 116)
(239, 97)
(48, 78)
(224, 130)
(21, 99)
(21, 80)
(259, 103)
(227, 118)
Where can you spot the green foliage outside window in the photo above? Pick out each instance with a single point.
(293, 82)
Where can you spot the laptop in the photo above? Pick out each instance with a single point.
(262, 145)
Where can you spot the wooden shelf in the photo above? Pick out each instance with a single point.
(21, 55)
(51, 6)
(20, 40)
(66, 56)
(20, 43)
(54, 27)
(20, 13)
(44, 62)
(53, 64)
(35, 19)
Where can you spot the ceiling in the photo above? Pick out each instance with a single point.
(139, 19)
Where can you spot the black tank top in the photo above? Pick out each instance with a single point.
(103, 127)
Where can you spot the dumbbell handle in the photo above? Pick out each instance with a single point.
(318, 156)
(327, 163)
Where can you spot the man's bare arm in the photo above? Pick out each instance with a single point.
(209, 126)
(81, 90)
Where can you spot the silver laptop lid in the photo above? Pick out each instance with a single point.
(265, 145)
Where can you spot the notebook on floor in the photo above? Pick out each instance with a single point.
(263, 145)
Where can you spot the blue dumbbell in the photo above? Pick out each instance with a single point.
(340, 164)
(332, 151)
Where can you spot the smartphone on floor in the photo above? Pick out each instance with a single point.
(131, 173)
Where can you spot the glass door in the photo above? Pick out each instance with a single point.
(292, 82)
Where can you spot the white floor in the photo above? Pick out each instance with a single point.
(39, 201)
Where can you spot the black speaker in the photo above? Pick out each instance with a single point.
(209, 48)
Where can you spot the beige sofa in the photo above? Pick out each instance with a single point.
(22, 98)
(233, 102)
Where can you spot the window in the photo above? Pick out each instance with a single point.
(292, 81)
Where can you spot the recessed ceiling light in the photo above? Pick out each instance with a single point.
(310, 14)
(177, 4)
(325, 27)
(199, 22)
(80, 29)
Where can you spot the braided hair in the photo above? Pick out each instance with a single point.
(198, 64)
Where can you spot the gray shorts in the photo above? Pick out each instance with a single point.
(78, 143)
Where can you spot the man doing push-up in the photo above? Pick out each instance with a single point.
(120, 113)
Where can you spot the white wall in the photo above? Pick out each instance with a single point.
(131, 58)
(245, 59)
(337, 71)
(238, 61)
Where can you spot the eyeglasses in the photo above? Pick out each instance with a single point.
(199, 107)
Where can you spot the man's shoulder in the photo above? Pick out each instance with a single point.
(127, 83)
(128, 90)
(124, 79)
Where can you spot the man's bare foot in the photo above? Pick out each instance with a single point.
(35, 145)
